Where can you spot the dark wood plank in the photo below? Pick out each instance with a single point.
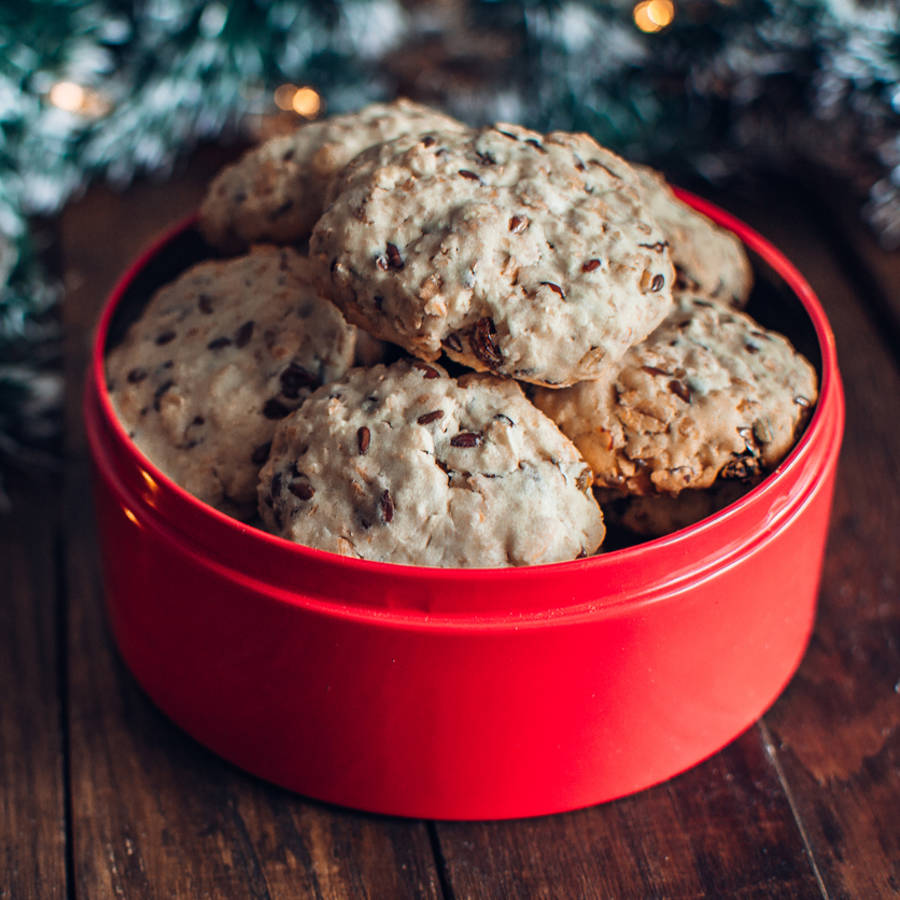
(154, 814)
(723, 829)
(32, 761)
(837, 728)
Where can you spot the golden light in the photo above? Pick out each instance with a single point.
(306, 102)
(284, 96)
(302, 100)
(654, 15)
(131, 516)
(67, 95)
(74, 98)
(152, 486)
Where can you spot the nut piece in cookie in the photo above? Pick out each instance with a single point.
(527, 255)
(405, 464)
(276, 191)
(218, 357)
(709, 395)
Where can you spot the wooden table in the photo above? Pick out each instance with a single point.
(100, 796)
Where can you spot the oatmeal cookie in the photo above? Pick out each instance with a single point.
(527, 255)
(710, 394)
(217, 358)
(276, 191)
(405, 464)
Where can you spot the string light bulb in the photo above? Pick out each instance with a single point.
(73, 98)
(304, 101)
(284, 96)
(652, 16)
(67, 95)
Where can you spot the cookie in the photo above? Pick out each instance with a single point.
(526, 255)
(654, 515)
(277, 190)
(710, 394)
(709, 260)
(405, 464)
(217, 358)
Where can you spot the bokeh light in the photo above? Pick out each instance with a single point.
(67, 95)
(304, 101)
(74, 98)
(654, 15)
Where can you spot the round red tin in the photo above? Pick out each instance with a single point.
(464, 694)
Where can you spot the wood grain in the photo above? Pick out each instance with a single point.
(155, 814)
(723, 829)
(32, 760)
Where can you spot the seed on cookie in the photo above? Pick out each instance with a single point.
(243, 334)
(160, 391)
(294, 379)
(386, 502)
(394, 259)
(466, 439)
(680, 389)
(555, 288)
(303, 490)
(426, 370)
(483, 344)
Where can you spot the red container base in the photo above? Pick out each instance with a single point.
(464, 694)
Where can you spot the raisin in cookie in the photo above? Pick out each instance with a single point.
(518, 253)
(709, 260)
(710, 394)
(277, 190)
(405, 464)
(217, 358)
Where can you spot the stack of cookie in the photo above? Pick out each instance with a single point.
(259, 382)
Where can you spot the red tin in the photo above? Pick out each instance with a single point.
(465, 694)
